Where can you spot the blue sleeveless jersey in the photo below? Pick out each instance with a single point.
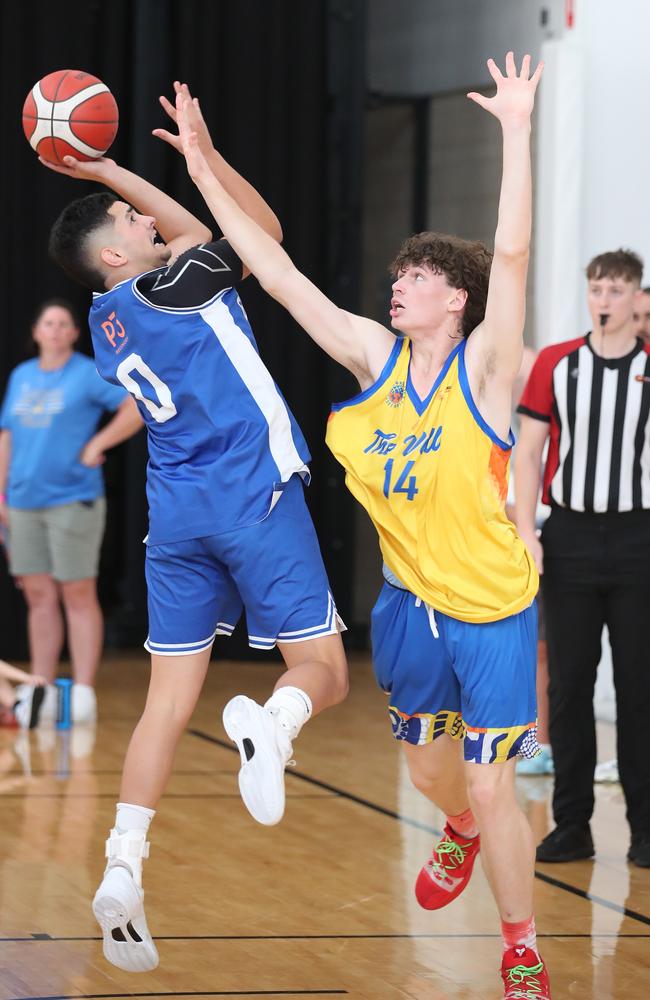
(222, 440)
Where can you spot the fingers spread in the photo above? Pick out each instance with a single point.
(495, 72)
(511, 68)
(525, 67)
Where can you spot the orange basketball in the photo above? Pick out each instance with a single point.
(70, 113)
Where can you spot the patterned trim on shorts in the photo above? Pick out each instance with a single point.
(495, 746)
(424, 728)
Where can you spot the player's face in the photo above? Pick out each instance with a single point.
(55, 331)
(642, 315)
(421, 300)
(137, 237)
(614, 298)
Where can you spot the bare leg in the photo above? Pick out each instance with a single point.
(85, 628)
(437, 770)
(318, 667)
(44, 623)
(507, 846)
(174, 689)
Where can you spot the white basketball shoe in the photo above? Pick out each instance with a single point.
(35, 705)
(265, 750)
(119, 905)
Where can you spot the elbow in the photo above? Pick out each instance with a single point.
(512, 251)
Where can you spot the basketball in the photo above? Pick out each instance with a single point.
(70, 113)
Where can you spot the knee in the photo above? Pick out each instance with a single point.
(79, 595)
(425, 775)
(487, 786)
(40, 593)
(341, 686)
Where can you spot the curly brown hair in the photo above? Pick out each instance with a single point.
(464, 263)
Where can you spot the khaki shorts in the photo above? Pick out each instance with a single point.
(62, 541)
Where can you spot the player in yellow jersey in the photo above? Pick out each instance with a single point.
(426, 446)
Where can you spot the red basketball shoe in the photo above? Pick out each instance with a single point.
(524, 975)
(447, 871)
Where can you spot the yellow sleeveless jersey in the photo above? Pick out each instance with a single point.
(433, 477)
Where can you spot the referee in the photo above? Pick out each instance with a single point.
(590, 398)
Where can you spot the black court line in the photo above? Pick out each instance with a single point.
(195, 993)
(168, 795)
(557, 883)
(36, 773)
(321, 937)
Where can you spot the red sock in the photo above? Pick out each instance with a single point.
(465, 824)
(522, 933)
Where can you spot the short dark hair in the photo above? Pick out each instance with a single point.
(619, 263)
(68, 244)
(646, 290)
(464, 263)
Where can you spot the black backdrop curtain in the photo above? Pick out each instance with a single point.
(263, 71)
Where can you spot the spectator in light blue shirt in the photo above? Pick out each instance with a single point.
(52, 506)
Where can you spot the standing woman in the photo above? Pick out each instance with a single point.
(52, 505)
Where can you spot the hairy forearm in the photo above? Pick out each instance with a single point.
(246, 196)
(172, 220)
(126, 422)
(512, 237)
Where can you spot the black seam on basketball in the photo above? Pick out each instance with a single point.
(52, 119)
(76, 121)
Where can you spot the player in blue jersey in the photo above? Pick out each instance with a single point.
(229, 528)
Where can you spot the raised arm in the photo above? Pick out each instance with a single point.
(246, 196)
(495, 347)
(179, 228)
(360, 345)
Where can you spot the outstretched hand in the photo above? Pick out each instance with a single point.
(189, 145)
(83, 170)
(515, 96)
(194, 116)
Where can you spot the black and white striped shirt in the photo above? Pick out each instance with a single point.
(599, 415)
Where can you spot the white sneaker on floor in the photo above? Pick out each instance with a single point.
(265, 750)
(119, 910)
(35, 705)
(83, 704)
(607, 772)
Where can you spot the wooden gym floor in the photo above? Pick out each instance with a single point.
(321, 905)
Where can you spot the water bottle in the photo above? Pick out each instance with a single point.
(64, 715)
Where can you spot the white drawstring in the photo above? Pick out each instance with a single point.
(431, 615)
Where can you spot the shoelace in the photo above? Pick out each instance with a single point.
(533, 989)
(456, 854)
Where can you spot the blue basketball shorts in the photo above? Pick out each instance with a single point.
(475, 682)
(198, 588)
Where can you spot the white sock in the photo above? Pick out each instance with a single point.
(130, 817)
(83, 703)
(293, 708)
(546, 746)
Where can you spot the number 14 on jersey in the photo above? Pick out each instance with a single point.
(401, 485)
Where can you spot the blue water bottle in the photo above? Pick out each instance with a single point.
(64, 714)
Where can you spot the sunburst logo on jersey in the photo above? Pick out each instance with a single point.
(396, 395)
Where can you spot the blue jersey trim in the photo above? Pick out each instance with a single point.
(420, 405)
(469, 399)
(385, 372)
